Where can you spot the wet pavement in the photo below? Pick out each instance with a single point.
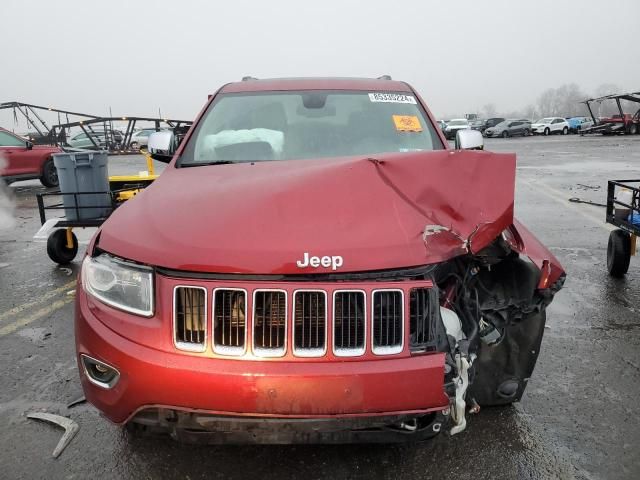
(578, 417)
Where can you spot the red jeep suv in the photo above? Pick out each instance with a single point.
(21, 160)
(315, 264)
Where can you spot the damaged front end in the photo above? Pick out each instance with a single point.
(397, 223)
(493, 310)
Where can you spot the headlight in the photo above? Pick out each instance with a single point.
(123, 285)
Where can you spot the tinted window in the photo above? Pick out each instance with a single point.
(8, 140)
(309, 124)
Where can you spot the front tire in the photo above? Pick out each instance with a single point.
(526, 133)
(618, 253)
(49, 177)
(57, 247)
(547, 132)
(565, 131)
(505, 134)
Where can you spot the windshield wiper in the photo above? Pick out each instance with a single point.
(200, 164)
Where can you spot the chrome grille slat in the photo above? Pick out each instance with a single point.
(229, 321)
(421, 319)
(189, 318)
(269, 322)
(387, 321)
(349, 314)
(309, 323)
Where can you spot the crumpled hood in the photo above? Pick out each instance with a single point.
(398, 210)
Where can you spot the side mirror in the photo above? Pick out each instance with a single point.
(29, 145)
(162, 146)
(469, 140)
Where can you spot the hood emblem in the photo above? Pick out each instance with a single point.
(334, 261)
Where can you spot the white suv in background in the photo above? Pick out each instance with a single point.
(454, 125)
(549, 125)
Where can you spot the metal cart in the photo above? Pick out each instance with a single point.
(623, 211)
(62, 243)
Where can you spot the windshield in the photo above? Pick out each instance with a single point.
(503, 124)
(458, 122)
(250, 127)
(544, 120)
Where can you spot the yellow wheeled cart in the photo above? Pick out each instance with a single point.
(62, 244)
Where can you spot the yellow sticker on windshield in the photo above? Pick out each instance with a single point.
(407, 123)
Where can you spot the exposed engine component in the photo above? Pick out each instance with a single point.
(493, 312)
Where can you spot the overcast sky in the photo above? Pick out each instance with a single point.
(140, 55)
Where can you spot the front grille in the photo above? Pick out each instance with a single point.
(309, 323)
(190, 318)
(387, 321)
(229, 321)
(421, 319)
(269, 322)
(348, 323)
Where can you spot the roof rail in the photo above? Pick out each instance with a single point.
(248, 77)
(384, 77)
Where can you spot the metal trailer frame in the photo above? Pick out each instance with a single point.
(623, 240)
(58, 134)
(113, 145)
(633, 126)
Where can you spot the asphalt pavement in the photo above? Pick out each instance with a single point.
(578, 418)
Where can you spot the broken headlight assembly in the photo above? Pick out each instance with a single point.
(123, 285)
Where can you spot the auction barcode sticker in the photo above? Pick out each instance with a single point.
(392, 98)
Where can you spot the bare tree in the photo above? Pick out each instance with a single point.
(563, 101)
(489, 110)
(606, 89)
(607, 108)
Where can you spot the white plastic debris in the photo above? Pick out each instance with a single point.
(70, 428)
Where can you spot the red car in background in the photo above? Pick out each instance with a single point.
(315, 264)
(20, 160)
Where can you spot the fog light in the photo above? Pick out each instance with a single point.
(99, 373)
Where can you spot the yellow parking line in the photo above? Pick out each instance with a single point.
(561, 197)
(43, 298)
(12, 327)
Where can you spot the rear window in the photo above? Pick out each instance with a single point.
(299, 125)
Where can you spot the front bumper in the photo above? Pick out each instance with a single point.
(232, 388)
(219, 430)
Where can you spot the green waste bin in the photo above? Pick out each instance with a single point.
(85, 174)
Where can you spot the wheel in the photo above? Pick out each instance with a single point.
(547, 131)
(633, 129)
(526, 133)
(134, 146)
(565, 131)
(49, 176)
(618, 253)
(505, 134)
(57, 247)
